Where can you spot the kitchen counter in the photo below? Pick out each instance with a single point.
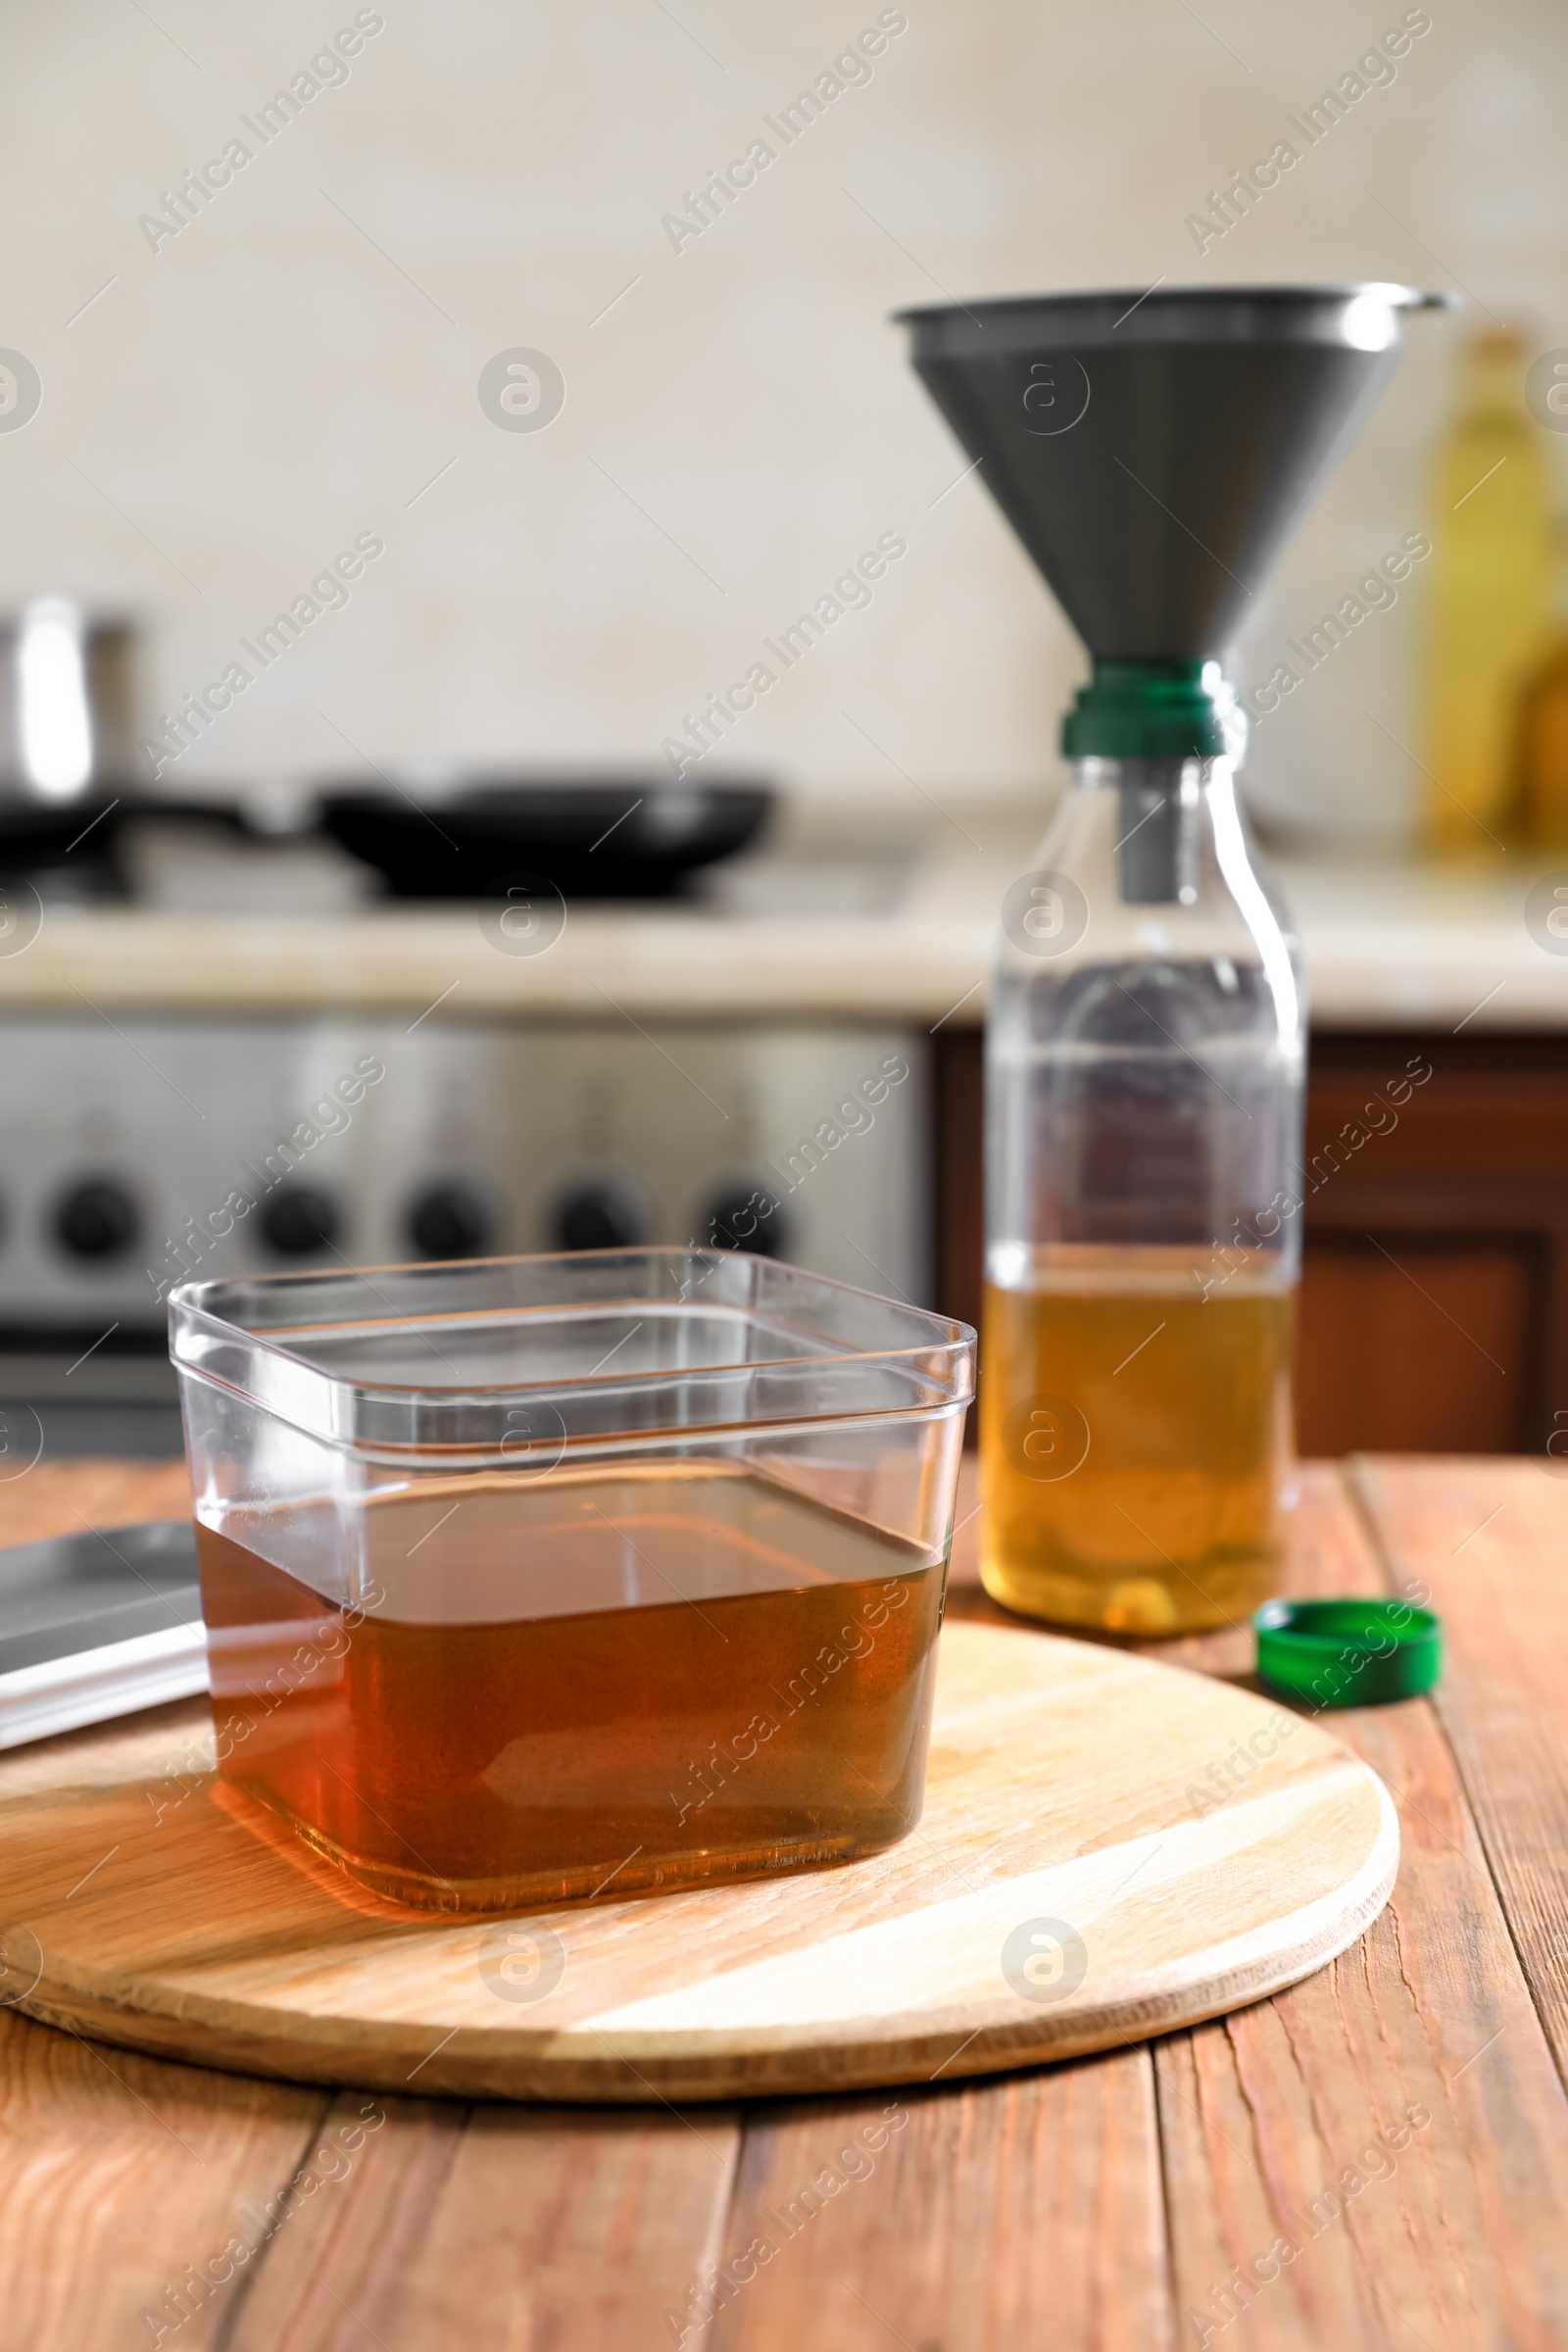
(1404, 947)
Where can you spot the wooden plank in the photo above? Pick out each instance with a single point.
(982, 2219)
(1491, 1538)
(148, 2203)
(518, 2229)
(1266, 2119)
(118, 2172)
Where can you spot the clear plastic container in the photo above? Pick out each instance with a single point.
(1144, 1077)
(532, 1579)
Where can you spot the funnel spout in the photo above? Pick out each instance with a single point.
(1157, 853)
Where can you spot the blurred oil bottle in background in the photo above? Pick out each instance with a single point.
(1541, 811)
(1491, 596)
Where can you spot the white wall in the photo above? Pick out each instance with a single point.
(277, 379)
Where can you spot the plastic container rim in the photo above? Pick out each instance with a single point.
(945, 1360)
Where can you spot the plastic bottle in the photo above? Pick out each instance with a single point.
(1490, 590)
(1144, 1082)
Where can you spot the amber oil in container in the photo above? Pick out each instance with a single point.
(645, 1676)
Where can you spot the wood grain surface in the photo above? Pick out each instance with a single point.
(1081, 1823)
(1451, 2238)
(1110, 2204)
(1490, 1541)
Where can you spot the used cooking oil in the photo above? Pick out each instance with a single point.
(650, 1676)
(1131, 1444)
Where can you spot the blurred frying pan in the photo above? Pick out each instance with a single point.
(457, 837)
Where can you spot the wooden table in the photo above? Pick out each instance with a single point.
(1399, 2120)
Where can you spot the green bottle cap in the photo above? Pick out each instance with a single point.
(1161, 710)
(1349, 1653)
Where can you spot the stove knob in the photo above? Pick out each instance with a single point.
(300, 1221)
(599, 1216)
(743, 1218)
(97, 1218)
(451, 1220)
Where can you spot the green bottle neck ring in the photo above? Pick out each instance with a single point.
(1167, 709)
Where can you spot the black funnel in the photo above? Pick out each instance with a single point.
(1155, 453)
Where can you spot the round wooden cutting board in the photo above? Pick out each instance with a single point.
(1109, 1848)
